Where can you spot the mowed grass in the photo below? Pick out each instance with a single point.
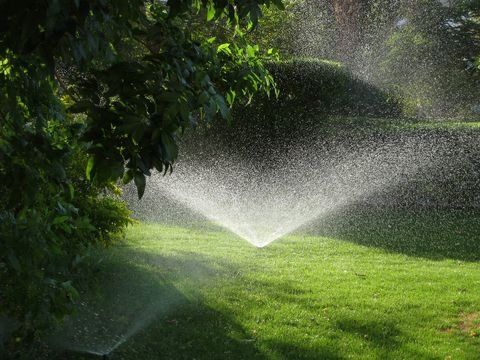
(353, 125)
(186, 293)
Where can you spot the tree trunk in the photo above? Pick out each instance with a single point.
(349, 17)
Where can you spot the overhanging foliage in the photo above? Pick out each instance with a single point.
(92, 92)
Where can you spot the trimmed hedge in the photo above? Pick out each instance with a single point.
(328, 88)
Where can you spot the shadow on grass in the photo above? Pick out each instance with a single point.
(193, 331)
(134, 312)
(431, 234)
(380, 334)
(137, 303)
(196, 331)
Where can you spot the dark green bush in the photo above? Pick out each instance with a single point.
(310, 92)
(107, 215)
(327, 87)
(49, 213)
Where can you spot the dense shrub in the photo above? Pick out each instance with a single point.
(49, 213)
(136, 75)
(428, 50)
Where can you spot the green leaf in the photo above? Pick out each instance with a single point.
(116, 170)
(231, 97)
(70, 290)
(158, 164)
(224, 48)
(71, 191)
(210, 11)
(210, 108)
(185, 112)
(60, 219)
(140, 183)
(279, 4)
(170, 147)
(204, 97)
(90, 166)
(251, 51)
(222, 106)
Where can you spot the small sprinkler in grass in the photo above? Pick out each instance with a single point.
(105, 356)
(90, 355)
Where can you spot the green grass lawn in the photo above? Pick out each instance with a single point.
(350, 125)
(375, 286)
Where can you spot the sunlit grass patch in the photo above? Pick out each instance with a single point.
(375, 124)
(307, 296)
(445, 124)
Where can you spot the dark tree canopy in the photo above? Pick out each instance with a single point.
(134, 69)
(92, 91)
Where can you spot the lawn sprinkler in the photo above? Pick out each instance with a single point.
(89, 355)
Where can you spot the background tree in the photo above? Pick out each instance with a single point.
(350, 18)
(425, 57)
(424, 51)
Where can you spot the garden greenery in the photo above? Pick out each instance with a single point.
(426, 52)
(93, 92)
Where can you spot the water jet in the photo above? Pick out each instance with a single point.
(301, 184)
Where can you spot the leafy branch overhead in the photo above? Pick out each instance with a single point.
(136, 71)
(93, 91)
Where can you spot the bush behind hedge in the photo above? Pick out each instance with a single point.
(328, 88)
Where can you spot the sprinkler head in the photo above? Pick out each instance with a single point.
(90, 355)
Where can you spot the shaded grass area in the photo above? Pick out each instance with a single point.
(430, 233)
(338, 125)
(373, 286)
(445, 124)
